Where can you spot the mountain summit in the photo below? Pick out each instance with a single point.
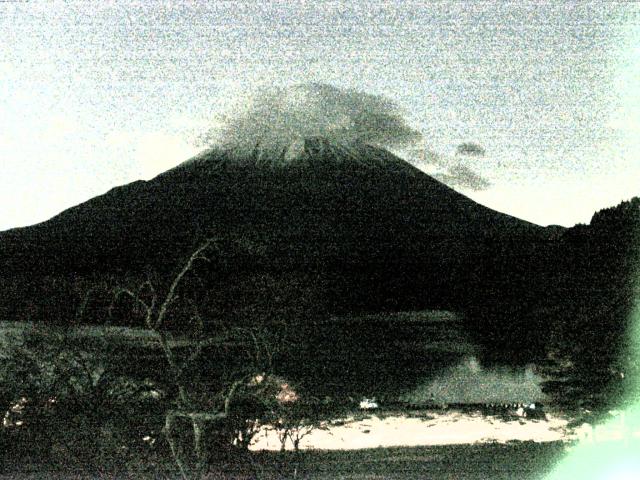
(315, 152)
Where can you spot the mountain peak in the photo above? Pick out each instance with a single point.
(312, 152)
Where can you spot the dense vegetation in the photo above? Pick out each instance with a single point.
(590, 310)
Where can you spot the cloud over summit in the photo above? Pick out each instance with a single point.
(273, 118)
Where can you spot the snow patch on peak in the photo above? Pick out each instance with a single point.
(316, 151)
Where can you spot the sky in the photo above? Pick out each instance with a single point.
(540, 101)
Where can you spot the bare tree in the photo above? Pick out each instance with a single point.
(156, 308)
(296, 419)
(246, 403)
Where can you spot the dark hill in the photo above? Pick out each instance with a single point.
(331, 205)
(381, 232)
(321, 229)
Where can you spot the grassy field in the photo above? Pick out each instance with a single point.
(514, 461)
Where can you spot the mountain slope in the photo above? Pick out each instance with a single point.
(376, 232)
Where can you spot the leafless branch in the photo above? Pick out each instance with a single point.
(120, 291)
(171, 295)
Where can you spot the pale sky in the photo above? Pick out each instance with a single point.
(94, 95)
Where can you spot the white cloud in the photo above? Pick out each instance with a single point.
(274, 118)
